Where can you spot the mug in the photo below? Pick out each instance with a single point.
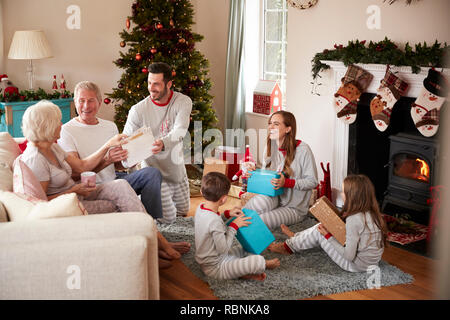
(89, 177)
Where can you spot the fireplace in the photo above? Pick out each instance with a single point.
(400, 162)
(412, 163)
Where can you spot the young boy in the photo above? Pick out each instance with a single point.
(213, 238)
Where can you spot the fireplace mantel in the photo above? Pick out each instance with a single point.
(415, 80)
(340, 143)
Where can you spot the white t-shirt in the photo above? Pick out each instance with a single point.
(86, 139)
(59, 177)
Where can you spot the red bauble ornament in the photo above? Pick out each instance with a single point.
(122, 44)
(174, 73)
(159, 26)
(138, 56)
(107, 100)
(153, 50)
(144, 70)
(182, 40)
(128, 24)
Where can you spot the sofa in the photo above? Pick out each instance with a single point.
(103, 256)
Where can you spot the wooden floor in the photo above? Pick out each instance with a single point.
(178, 282)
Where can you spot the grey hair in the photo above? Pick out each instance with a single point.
(40, 121)
(88, 85)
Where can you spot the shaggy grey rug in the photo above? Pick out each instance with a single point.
(300, 275)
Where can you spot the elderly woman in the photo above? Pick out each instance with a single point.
(41, 126)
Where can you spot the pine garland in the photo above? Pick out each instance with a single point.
(34, 95)
(384, 52)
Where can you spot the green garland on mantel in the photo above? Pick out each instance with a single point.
(35, 95)
(384, 52)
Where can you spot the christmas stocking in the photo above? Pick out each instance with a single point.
(354, 83)
(425, 110)
(390, 90)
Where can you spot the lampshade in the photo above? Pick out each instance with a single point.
(29, 44)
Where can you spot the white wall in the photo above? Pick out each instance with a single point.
(329, 22)
(211, 21)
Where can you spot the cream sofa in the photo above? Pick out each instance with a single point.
(105, 256)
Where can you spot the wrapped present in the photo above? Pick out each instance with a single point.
(255, 237)
(259, 182)
(215, 165)
(329, 216)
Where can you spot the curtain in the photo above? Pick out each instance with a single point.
(234, 78)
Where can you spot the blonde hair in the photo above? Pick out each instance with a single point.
(88, 85)
(40, 121)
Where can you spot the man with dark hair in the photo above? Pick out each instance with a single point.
(167, 113)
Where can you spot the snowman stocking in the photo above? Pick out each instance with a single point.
(425, 110)
(354, 83)
(390, 90)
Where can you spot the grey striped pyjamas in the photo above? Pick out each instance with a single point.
(236, 263)
(271, 213)
(311, 238)
(175, 200)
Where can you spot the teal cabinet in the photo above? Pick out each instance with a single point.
(12, 113)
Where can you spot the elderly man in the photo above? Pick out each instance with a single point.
(83, 134)
(167, 113)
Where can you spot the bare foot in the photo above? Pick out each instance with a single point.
(164, 264)
(181, 247)
(259, 277)
(278, 247)
(272, 263)
(287, 231)
(166, 246)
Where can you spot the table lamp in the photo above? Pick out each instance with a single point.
(29, 44)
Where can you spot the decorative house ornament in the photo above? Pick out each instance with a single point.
(267, 97)
(302, 4)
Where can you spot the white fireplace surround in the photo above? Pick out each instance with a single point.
(340, 143)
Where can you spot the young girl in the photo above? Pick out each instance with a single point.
(295, 162)
(364, 225)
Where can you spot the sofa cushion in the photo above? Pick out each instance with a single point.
(20, 207)
(9, 149)
(6, 181)
(3, 216)
(24, 181)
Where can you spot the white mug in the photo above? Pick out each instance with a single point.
(89, 177)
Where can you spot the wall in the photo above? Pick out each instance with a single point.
(1, 37)
(329, 22)
(211, 21)
(87, 53)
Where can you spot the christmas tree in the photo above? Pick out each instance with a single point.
(160, 31)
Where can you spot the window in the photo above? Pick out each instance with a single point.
(265, 55)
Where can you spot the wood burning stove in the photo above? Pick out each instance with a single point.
(412, 163)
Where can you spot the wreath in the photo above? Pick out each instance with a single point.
(299, 4)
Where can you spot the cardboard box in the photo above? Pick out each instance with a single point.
(329, 216)
(255, 237)
(259, 182)
(215, 165)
